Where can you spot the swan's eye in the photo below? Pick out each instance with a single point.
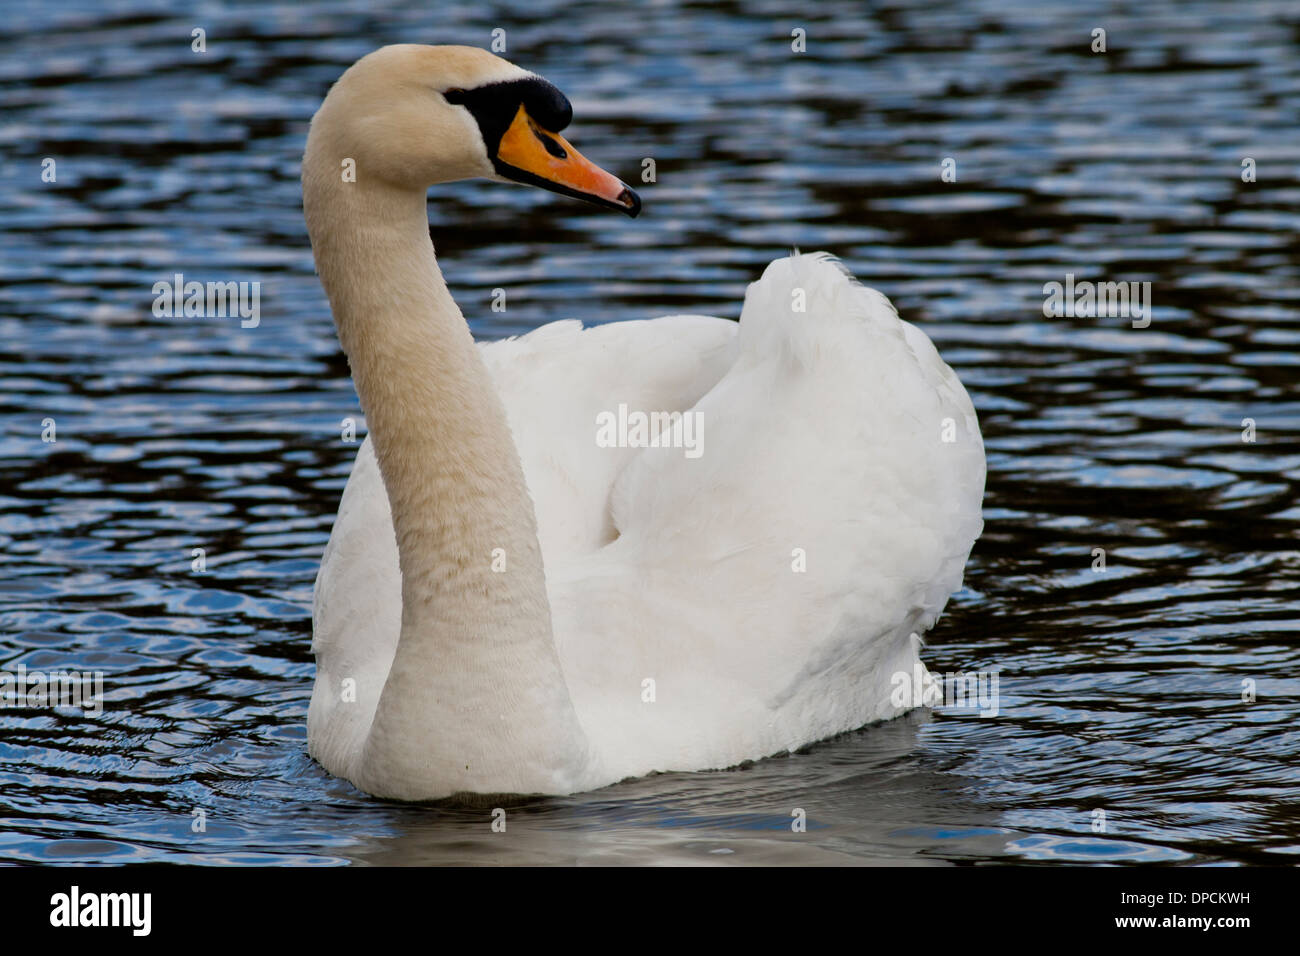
(454, 94)
(552, 147)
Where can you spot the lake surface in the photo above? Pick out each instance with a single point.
(1121, 689)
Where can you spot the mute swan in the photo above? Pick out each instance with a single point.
(566, 614)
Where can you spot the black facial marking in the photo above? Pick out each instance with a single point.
(494, 107)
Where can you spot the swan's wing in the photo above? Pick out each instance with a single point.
(356, 618)
(558, 381)
(837, 429)
(770, 586)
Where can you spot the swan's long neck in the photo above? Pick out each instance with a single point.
(476, 691)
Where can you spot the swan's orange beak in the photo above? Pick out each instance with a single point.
(529, 154)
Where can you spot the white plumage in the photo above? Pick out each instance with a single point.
(823, 448)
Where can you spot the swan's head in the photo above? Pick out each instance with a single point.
(413, 116)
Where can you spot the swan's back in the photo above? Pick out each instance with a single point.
(770, 587)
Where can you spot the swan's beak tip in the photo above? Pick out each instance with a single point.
(630, 202)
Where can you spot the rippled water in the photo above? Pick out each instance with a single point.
(1121, 689)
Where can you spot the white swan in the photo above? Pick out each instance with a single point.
(692, 612)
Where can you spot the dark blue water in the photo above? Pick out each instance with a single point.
(1121, 689)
